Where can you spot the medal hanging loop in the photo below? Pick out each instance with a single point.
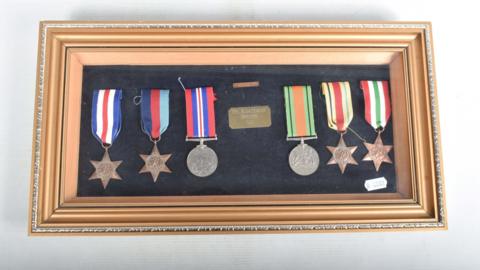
(179, 79)
(377, 113)
(201, 140)
(106, 146)
(303, 159)
(154, 141)
(338, 102)
(137, 100)
(306, 138)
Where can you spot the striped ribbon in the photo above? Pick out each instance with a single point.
(377, 102)
(338, 100)
(299, 111)
(155, 112)
(106, 115)
(200, 112)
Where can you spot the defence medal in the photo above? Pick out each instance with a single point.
(106, 125)
(338, 101)
(155, 119)
(202, 161)
(303, 159)
(377, 114)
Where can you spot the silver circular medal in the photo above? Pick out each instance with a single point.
(303, 159)
(202, 161)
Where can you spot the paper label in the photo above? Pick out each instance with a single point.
(376, 183)
(249, 117)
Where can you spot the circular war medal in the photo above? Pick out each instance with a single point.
(202, 161)
(303, 159)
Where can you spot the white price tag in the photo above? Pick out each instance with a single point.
(376, 183)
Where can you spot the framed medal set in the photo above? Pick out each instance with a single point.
(234, 127)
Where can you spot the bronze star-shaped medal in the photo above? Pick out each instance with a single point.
(155, 163)
(377, 152)
(105, 169)
(342, 155)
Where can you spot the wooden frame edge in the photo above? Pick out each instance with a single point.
(38, 228)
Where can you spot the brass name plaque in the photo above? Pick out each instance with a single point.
(249, 117)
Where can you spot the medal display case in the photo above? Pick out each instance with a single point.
(159, 127)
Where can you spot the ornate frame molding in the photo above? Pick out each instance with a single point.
(35, 210)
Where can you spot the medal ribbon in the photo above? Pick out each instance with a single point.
(200, 112)
(338, 100)
(106, 115)
(155, 112)
(299, 111)
(377, 103)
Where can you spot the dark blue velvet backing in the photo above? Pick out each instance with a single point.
(251, 161)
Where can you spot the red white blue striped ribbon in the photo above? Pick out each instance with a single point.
(200, 112)
(106, 115)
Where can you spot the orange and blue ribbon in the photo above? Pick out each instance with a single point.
(200, 112)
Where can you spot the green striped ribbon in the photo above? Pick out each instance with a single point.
(299, 111)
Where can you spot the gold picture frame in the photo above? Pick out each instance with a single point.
(66, 46)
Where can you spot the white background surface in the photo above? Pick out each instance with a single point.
(455, 30)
